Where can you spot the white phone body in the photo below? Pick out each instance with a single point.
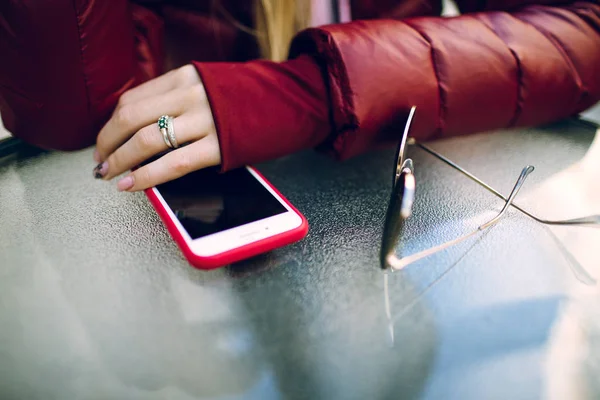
(272, 217)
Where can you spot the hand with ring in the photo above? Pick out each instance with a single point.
(170, 112)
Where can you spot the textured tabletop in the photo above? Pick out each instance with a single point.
(96, 301)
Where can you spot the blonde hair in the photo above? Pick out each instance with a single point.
(277, 21)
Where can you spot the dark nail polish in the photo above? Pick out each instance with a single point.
(100, 170)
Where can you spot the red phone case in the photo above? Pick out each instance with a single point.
(238, 254)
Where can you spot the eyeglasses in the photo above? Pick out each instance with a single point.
(403, 196)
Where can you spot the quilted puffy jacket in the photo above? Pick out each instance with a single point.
(345, 88)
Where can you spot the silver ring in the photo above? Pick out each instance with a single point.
(166, 137)
(163, 123)
(171, 132)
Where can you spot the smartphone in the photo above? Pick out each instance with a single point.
(220, 218)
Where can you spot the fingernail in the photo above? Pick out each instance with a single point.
(101, 170)
(97, 156)
(125, 183)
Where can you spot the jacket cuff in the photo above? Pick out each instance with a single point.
(344, 120)
(371, 88)
(264, 110)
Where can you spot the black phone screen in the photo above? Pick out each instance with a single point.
(207, 201)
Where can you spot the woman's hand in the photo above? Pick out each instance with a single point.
(132, 136)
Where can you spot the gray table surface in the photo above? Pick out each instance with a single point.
(96, 301)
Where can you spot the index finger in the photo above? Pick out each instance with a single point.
(201, 154)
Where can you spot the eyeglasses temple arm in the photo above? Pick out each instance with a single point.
(524, 173)
(588, 220)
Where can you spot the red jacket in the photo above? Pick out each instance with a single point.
(346, 87)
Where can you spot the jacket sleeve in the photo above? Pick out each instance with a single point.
(482, 71)
(65, 63)
(264, 110)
